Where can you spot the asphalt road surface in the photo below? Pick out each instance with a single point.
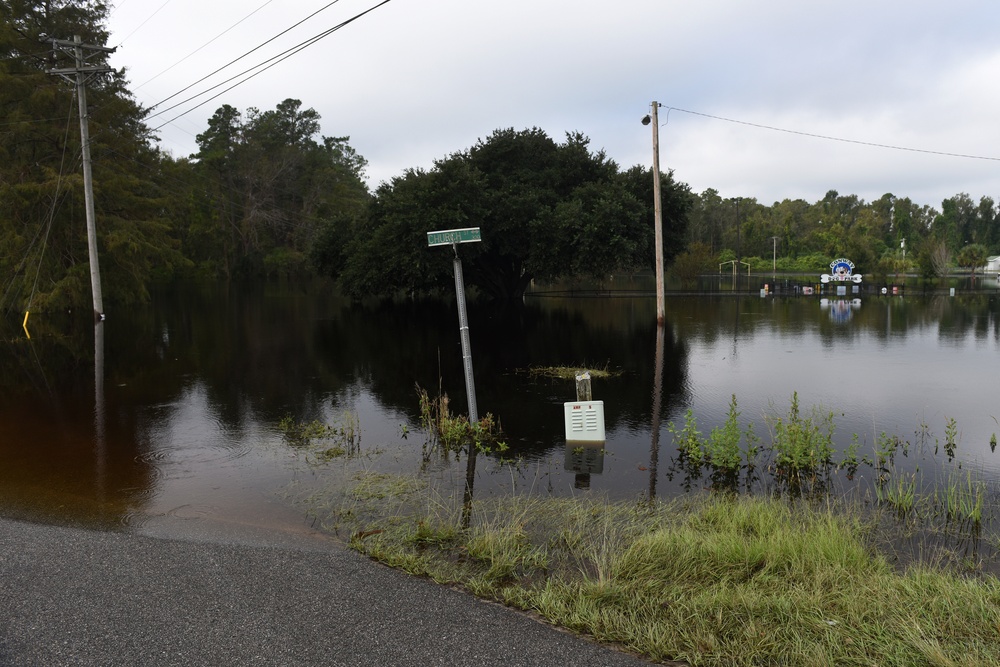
(77, 597)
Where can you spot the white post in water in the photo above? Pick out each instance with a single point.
(453, 237)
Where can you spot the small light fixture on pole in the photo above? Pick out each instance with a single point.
(651, 119)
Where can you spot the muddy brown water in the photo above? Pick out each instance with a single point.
(166, 420)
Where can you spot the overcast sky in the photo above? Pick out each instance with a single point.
(416, 80)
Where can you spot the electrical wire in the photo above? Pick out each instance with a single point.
(55, 202)
(48, 226)
(204, 45)
(148, 19)
(232, 62)
(277, 59)
(40, 54)
(840, 139)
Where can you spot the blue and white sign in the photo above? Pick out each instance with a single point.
(841, 270)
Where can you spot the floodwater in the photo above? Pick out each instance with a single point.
(165, 418)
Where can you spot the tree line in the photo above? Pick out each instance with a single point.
(891, 235)
(267, 194)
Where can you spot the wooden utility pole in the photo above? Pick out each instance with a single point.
(78, 74)
(652, 119)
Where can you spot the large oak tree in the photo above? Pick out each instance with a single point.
(545, 209)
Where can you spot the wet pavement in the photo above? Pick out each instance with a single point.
(78, 597)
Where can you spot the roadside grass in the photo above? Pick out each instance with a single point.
(792, 575)
(709, 579)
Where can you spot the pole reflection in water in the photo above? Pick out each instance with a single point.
(654, 448)
(470, 478)
(100, 443)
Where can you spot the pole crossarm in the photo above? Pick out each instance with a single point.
(79, 70)
(75, 43)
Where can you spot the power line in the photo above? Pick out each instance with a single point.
(234, 61)
(277, 59)
(148, 19)
(840, 139)
(204, 45)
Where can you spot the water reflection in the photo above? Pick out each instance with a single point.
(181, 420)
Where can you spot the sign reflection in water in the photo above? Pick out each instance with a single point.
(196, 383)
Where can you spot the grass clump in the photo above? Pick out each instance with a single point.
(570, 372)
(802, 444)
(323, 442)
(455, 432)
(709, 579)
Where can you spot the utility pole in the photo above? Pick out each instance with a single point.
(657, 212)
(79, 74)
(774, 255)
(738, 255)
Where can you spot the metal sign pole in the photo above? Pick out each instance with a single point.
(453, 237)
(463, 328)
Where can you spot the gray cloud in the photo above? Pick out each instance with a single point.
(415, 81)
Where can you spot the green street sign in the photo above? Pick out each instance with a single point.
(450, 236)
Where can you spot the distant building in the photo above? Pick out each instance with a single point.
(993, 264)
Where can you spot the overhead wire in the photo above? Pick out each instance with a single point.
(840, 139)
(204, 45)
(55, 202)
(234, 61)
(148, 19)
(40, 54)
(261, 68)
(48, 226)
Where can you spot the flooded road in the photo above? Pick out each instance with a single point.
(178, 434)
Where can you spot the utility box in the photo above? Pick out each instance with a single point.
(584, 421)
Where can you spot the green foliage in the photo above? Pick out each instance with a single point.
(688, 439)
(694, 261)
(267, 194)
(321, 441)
(973, 257)
(43, 249)
(720, 452)
(709, 580)
(723, 445)
(797, 236)
(803, 445)
(454, 432)
(545, 209)
(271, 198)
(962, 498)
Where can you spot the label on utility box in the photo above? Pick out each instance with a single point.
(584, 420)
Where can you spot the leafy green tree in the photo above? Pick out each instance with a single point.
(696, 260)
(545, 209)
(987, 226)
(43, 240)
(271, 190)
(710, 216)
(972, 257)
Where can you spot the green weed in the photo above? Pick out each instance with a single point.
(323, 442)
(803, 445)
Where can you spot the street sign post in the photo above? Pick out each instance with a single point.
(453, 236)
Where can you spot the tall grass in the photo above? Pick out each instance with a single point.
(710, 580)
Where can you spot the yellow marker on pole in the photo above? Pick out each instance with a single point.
(24, 325)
